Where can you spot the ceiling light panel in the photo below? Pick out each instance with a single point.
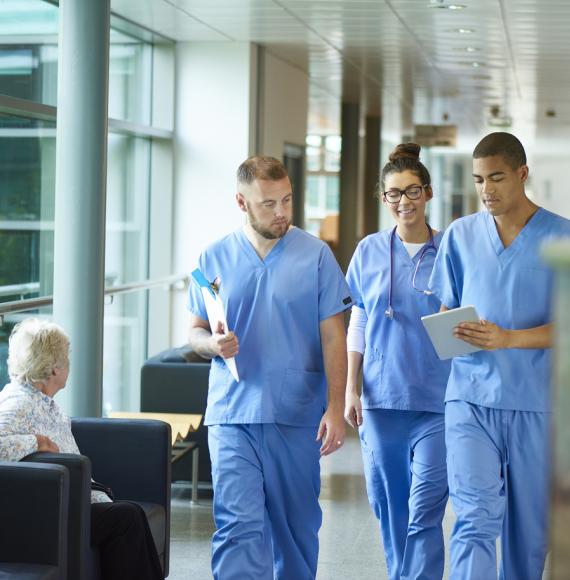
(392, 46)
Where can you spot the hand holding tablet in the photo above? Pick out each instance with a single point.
(440, 328)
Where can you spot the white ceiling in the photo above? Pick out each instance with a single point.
(404, 59)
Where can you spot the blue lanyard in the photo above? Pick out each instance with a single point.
(389, 312)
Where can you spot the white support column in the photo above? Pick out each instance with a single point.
(81, 170)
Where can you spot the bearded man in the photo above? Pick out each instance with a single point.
(284, 295)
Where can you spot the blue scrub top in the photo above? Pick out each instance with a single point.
(401, 369)
(274, 306)
(508, 286)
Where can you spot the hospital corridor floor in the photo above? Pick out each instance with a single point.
(350, 545)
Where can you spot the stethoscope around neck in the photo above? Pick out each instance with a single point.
(389, 312)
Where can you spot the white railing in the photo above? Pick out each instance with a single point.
(178, 281)
(21, 289)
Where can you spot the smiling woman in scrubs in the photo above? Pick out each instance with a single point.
(400, 415)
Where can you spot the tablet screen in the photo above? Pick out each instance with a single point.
(440, 330)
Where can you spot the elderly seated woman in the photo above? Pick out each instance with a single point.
(30, 421)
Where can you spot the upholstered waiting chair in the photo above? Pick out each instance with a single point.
(33, 521)
(132, 457)
(176, 381)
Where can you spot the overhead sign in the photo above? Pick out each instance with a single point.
(435, 135)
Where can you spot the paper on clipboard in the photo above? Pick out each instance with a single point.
(215, 310)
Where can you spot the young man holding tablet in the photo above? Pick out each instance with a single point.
(497, 401)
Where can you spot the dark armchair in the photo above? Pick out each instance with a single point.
(176, 381)
(132, 457)
(33, 523)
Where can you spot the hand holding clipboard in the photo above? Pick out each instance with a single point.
(216, 313)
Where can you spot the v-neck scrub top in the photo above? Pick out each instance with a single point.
(511, 287)
(274, 306)
(401, 370)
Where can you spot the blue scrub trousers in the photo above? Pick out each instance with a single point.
(406, 481)
(266, 480)
(498, 481)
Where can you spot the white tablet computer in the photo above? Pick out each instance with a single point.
(440, 329)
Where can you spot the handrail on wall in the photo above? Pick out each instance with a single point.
(21, 289)
(33, 303)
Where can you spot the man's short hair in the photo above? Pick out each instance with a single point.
(35, 347)
(503, 144)
(260, 167)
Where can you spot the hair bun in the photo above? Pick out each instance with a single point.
(405, 150)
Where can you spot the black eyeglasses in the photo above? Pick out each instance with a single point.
(412, 192)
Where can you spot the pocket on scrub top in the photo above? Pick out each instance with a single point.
(530, 286)
(220, 376)
(373, 370)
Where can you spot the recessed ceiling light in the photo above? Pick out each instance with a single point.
(464, 30)
(445, 6)
(474, 64)
(448, 6)
(469, 49)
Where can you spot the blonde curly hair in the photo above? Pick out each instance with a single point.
(36, 347)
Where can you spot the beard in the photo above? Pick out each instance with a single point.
(269, 233)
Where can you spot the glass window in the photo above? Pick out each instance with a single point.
(313, 191)
(124, 351)
(126, 260)
(332, 153)
(27, 169)
(130, 74)
(28, 68)
(313, 140)
(127, 208)
(28, 71)
(323, 183)
(27, 165)
(313, 158)
(332, 184)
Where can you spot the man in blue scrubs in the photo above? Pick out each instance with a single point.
(284, 296)
(497, 399)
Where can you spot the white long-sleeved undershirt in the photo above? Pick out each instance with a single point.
(355, 339)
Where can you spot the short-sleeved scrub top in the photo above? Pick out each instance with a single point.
(274, 306)
(511, 287)
(401, 369)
